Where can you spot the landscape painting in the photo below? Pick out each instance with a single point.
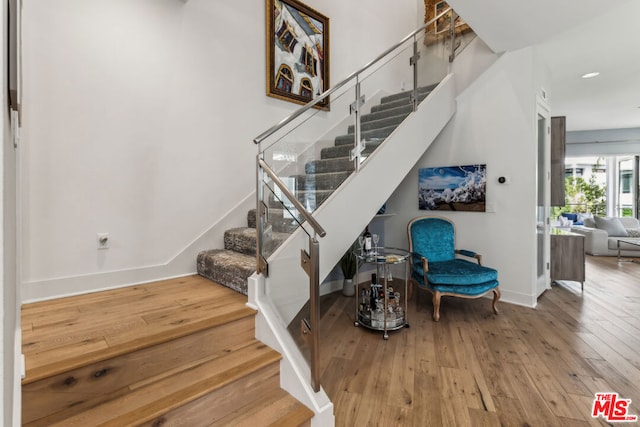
(452, 188)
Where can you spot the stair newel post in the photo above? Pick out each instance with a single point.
(358, 146)
(413, 61)
(261, 263)
(310, 262)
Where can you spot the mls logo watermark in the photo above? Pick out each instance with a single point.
(612, 408)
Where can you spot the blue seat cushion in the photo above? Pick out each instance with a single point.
(459, 272)
(469, 289)
(457, 276)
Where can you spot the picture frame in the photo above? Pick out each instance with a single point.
(453, 188)
(297, 39)
(441, 27)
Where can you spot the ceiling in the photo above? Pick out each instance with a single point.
(573, 37)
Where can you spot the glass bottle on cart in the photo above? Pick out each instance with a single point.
(372, 305)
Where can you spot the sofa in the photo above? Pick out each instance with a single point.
(602, 235)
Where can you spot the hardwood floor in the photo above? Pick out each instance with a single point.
(175, 352)
(523, 367)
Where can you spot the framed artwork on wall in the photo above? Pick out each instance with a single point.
(452, 188)
(434, 8)
(297, 52)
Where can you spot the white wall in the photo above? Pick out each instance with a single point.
(494, 124)
(138, 121)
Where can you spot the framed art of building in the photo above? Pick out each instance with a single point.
(297, 52)
(434, 8)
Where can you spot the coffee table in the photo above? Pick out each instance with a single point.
(627, 242)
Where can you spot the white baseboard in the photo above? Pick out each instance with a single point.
(182, 264)
(517, 298)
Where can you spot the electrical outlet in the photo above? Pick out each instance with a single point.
(103, 240)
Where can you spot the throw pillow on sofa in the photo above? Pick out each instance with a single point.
(633, 232)
(573, 217)
(582, 217)
(612, 226)
(589, 222)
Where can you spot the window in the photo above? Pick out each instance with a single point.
(306, 89)
(308, 60)
(284, 79)
(625, 181)
(287, 37)
(570, 172)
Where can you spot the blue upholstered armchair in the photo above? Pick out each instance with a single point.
(436, 267)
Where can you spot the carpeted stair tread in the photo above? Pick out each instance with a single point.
(402, 102)
(244, 239)
(343, 150)
(401, 99)
(329, 165)
(379, 124)
(320, 181)
(228, 268)
(423, 90)
(390, 112)
(252, 218)
(375, 134)
(310, 199)
(276, 220)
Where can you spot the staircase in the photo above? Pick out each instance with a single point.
(232, 265)
(176, 352)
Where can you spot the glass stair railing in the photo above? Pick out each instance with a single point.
(306, 157)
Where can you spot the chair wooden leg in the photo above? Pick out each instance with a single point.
(436, 306)
(496, 297)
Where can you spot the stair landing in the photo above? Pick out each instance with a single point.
(153, 353)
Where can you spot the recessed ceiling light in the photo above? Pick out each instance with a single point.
(590, 75)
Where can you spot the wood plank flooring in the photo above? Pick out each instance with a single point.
(69, 332)
(175, 352)
(523, 367)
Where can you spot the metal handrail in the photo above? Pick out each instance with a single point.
(312, 103)
(306, 214)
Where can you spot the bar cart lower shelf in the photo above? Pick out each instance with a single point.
(379, 306)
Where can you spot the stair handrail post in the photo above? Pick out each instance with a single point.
(358, 146)
(310, 328)
(314, 302)
(413, 61)
(261, 263)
